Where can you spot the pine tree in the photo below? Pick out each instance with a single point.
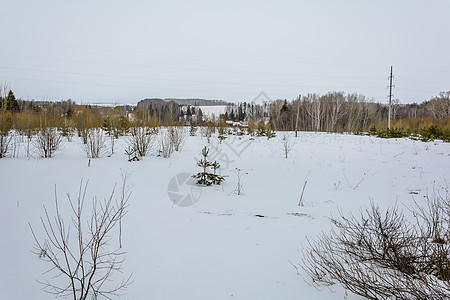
(205, 177)
(216, 179)
(193, 130)
(11, 102)
(107, 126)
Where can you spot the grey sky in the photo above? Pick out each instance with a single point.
(124, 51)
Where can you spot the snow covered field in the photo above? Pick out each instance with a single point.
(209, 111)
(225, 246)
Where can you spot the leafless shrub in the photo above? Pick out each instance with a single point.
(47, 141)
(177, 136)
(380, 255)
(239, 190)
(433, 221)
(142, 140)
(5, 140)
(81, 262)
(15, 143)
(5, 128)
(165, 144)
(207, 131)
(95, 143)
(287, 143)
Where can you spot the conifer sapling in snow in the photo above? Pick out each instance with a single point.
(193, 130)
(205, 177)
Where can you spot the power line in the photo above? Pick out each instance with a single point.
(190, 68)
(182, 80)
(147, 53)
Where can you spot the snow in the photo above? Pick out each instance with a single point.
(218, 248)
(209, 111)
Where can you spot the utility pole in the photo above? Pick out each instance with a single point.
(390, 99)
(296, 118)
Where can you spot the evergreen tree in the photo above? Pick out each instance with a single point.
(240, 114)
(232, 117)
(107, 126)
(124, 125)
(66, 130)
(199, 115)
(285, 106)
(216, 178)
(193, 130)
(205, 177)
(69, 112)
(9, 102)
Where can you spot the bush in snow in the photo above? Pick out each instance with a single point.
(177, 136)
(141, 140)
(165, 144)
(95, 143)
(381, 255)
(5, 128)
(47, 141)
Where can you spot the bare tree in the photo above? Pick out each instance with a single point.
(396, 105)
(47, 141)
(337, 112)
(177, 137)
(172, 112)
(207, 131)
(287, 143)
(81, 260)
(297, 114)
(313, 109)
(95, 143)
(142, 140)
(275, 113)
(317, 110)
(165, 144)
(439, 106)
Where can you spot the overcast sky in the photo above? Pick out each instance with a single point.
(124, 51)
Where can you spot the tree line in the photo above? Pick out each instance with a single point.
(332, 112)
(340, 112)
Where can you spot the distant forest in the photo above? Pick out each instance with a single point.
(332, 112)
(340, 112)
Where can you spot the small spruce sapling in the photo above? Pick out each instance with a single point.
(217, 179)
(203, 163)
(193, 130)
(221, 138)
(205, 177)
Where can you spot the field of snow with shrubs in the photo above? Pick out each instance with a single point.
(217, 244)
